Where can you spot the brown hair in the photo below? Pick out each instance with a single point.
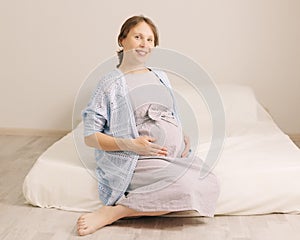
(128, 25)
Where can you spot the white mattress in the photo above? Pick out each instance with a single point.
(259, 168)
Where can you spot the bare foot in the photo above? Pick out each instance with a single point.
(90, 222)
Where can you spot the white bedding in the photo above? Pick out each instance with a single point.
(259, 168)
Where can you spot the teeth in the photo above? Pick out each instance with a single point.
(141, 52)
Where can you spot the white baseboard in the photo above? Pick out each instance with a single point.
(32, 132)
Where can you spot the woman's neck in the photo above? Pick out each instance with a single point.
(133, 69)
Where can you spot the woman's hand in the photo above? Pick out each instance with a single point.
(144, 145)
(187, 146)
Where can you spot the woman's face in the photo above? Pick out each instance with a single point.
(139, 40)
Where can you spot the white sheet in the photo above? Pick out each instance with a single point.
(259, 169)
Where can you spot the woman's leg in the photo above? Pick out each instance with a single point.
(91, 222)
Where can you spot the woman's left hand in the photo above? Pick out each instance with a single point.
(187, 146)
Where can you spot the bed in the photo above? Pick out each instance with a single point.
(259, 167)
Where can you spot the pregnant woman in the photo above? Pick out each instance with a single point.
(144, 165)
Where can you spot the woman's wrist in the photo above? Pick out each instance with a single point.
(124, 144)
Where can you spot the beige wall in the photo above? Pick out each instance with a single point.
(49, 47)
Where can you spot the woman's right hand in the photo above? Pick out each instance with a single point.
(144, 145)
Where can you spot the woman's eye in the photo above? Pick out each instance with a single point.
(137, 37)
(150, 40)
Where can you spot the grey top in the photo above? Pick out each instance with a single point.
(145, 88)
(153, 111)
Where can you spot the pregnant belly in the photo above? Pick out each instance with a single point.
(166, 134)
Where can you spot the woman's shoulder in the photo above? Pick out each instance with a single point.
(110, 78)
(108, 83)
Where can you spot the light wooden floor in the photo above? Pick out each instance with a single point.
(21, 221)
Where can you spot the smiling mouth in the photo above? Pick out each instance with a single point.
(142, 52)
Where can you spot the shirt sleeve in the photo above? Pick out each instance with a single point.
(96, 114)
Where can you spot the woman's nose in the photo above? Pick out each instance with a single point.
(142, 43)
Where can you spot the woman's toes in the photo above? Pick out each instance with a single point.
(91, 222)
(81, 226)
(81, 232)
(81, 219)
(81, 229)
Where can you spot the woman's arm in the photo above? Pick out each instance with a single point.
(187, 146)
(102, 141)
(142, 145)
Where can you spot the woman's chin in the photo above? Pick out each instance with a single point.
(141, 58)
